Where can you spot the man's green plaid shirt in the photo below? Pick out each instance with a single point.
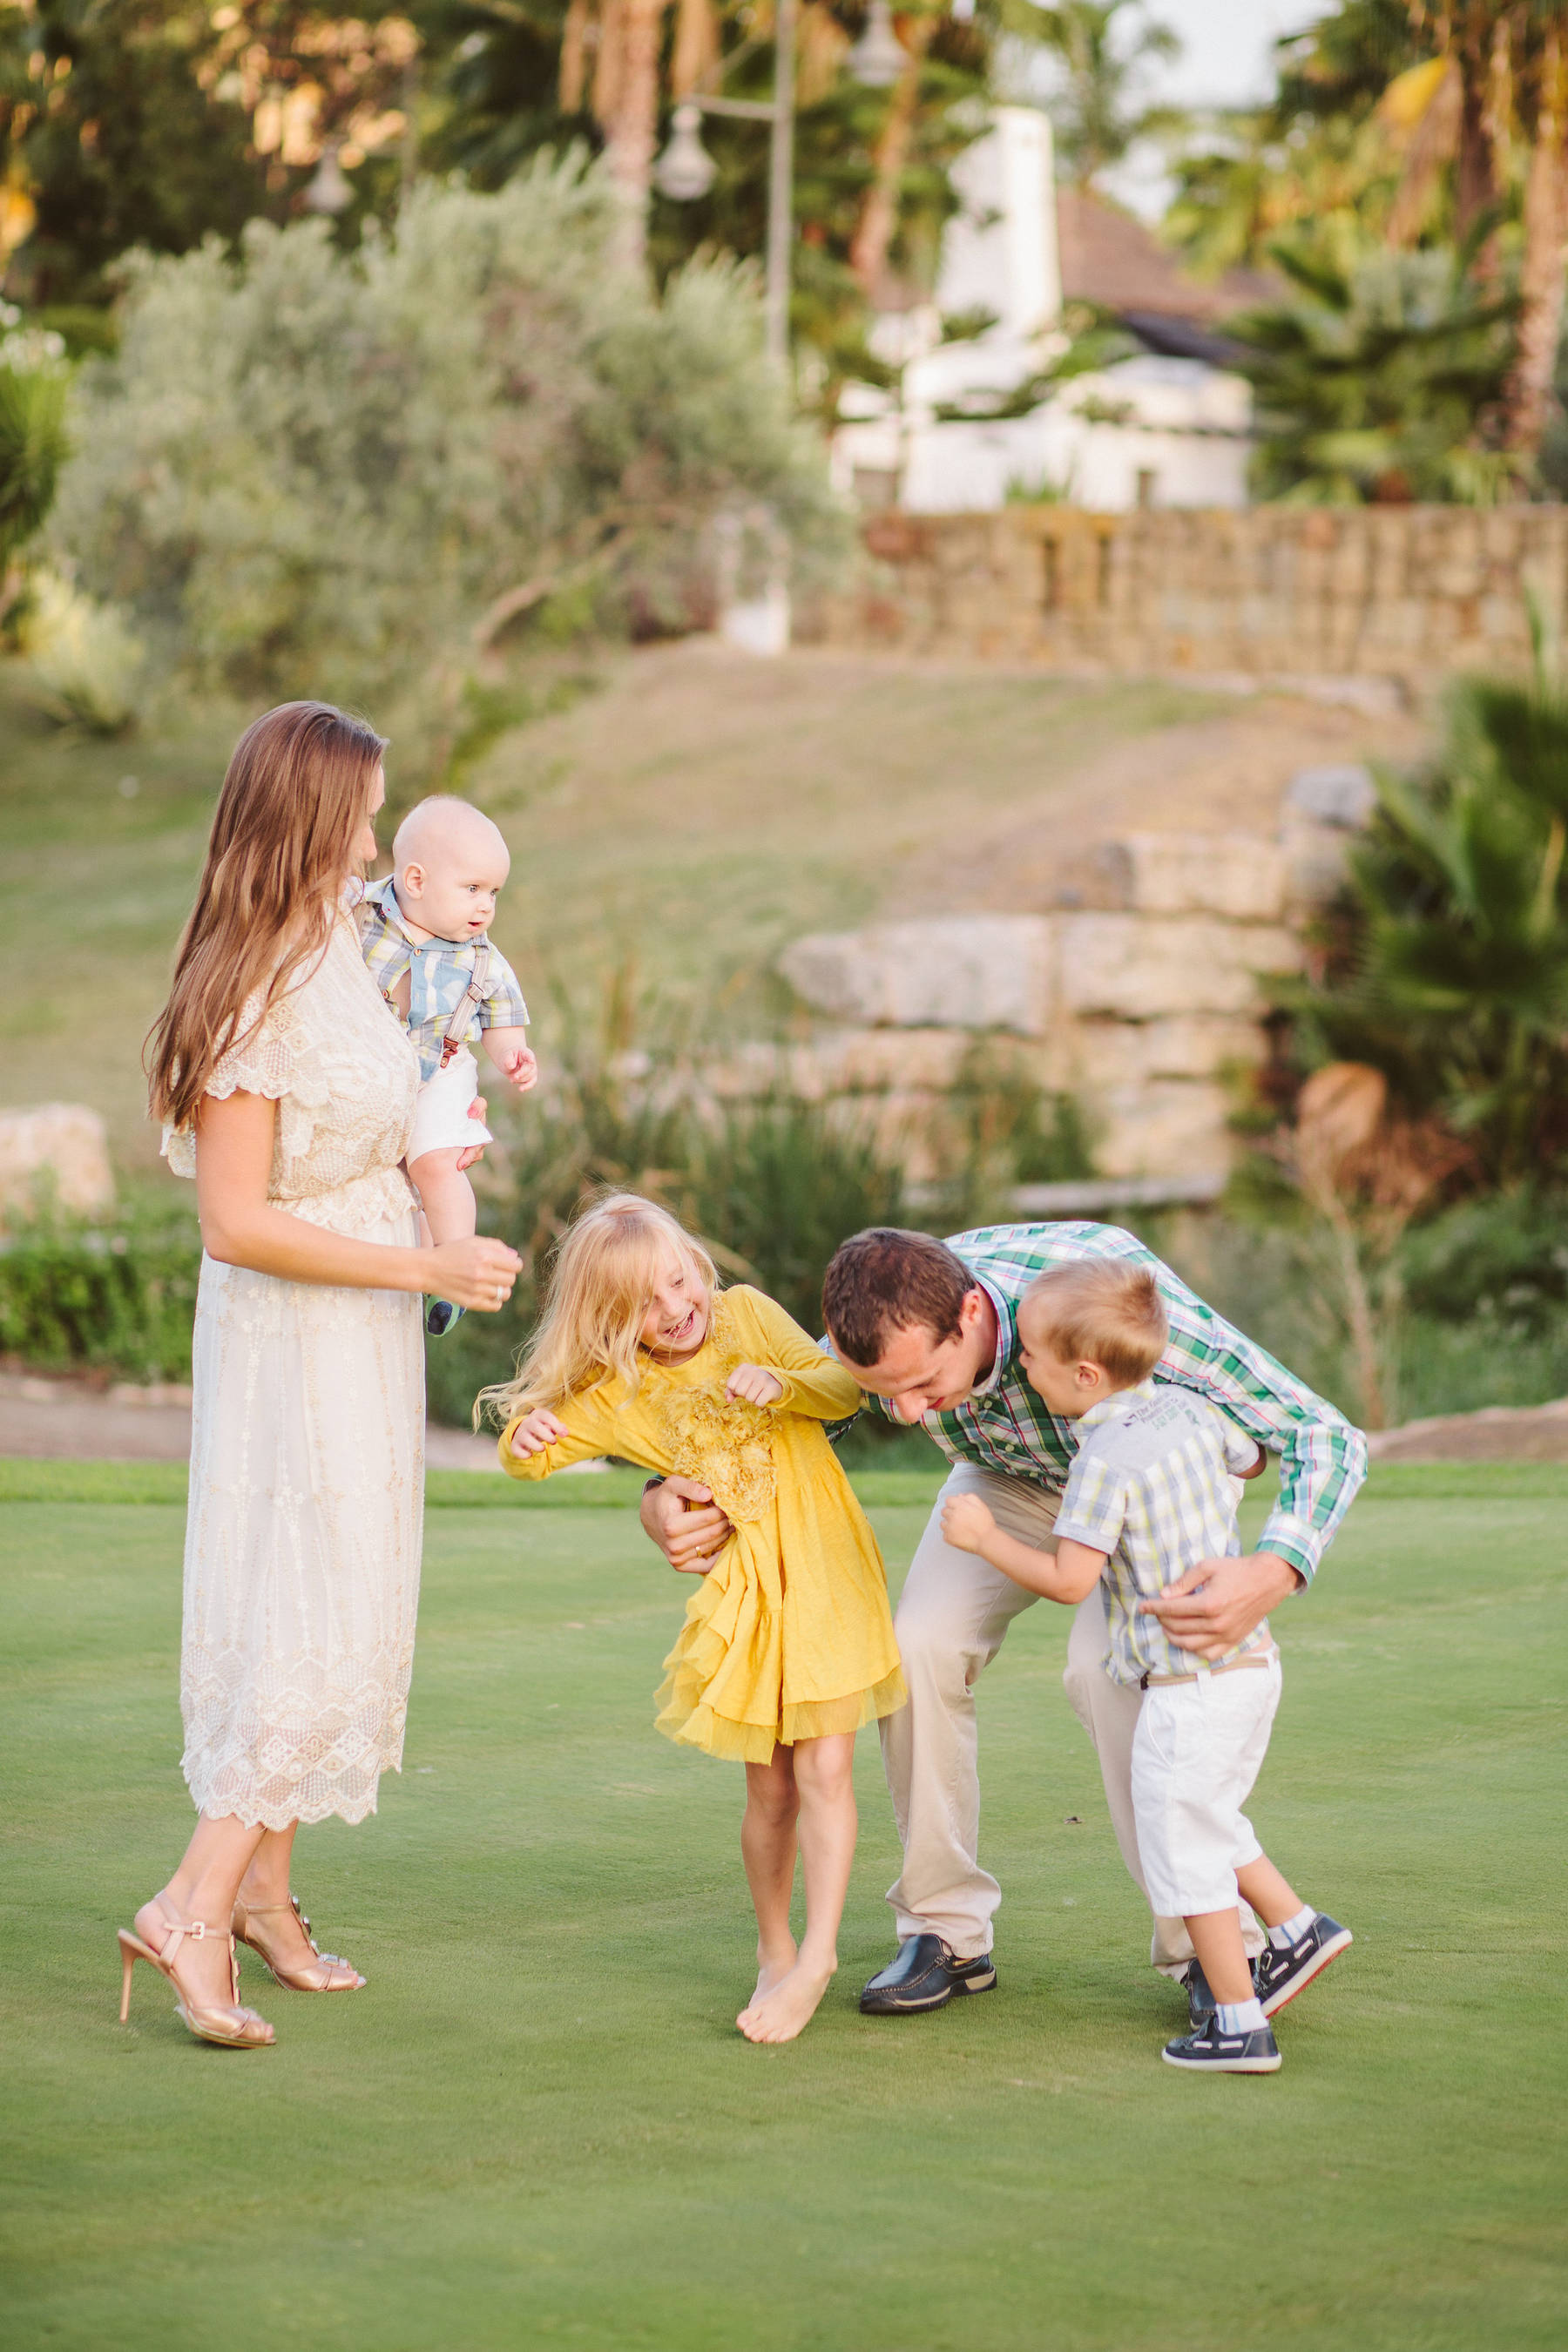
(1004, 1426)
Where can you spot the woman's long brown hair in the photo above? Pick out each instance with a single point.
(297, 791)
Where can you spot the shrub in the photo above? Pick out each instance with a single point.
(319, 471)
(83, 656)
(121, 1294)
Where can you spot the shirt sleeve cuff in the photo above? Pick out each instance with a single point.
(1293, 1541)
(1084, 1531)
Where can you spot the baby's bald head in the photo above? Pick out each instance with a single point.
(449, 860)
(443, 827)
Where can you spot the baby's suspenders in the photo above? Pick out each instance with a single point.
(473, 996)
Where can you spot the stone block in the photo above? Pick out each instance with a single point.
(1238, 875)
(1175, 1126)
(868, 1061)
(1110, 1055)
(1317, 860)
(58, 1151)
(1144, 967)
(1342, 793)
(954, 971)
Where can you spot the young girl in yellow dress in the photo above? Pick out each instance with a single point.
(787, 1648)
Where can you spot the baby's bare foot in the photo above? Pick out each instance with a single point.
(792, 2004)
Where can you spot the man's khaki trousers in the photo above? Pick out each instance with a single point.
(952, 1620)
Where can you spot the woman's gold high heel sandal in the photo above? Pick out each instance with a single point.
(236, 2028)
(324, 1972)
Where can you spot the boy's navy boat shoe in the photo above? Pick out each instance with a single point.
(1280, 1976)
(1211, 2052)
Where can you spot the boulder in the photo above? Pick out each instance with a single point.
(57, 1151)
(954, 971)
(1238, 875)
(1143, 968)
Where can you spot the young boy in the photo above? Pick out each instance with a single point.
(424, 937)
(1151, 1495)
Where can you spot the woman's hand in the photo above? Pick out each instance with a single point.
(536, 1431)
(966, 1523)
(478, 1273)
(750, 1384)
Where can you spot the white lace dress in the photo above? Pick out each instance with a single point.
(307, 1450)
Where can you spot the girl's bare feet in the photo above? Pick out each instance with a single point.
(783, 2012)
(771, 1970)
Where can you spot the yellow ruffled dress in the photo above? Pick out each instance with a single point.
(789, 1636)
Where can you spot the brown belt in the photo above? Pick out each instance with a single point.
(1234, 1666)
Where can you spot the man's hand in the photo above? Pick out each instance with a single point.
(536, 1431)
(691, 1539)
(966, 1523)
(1216, 1605)
(751, 1384)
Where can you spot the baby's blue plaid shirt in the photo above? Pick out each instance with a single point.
(1004, 1425)
(439, 972)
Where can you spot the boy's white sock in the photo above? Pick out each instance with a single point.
(1290, 1931)
(1241, 2016)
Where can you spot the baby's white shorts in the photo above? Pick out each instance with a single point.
(441, 1122)
(1198, 1748)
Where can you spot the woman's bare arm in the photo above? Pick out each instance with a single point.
(241, 1227)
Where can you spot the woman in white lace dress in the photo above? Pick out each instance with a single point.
(287, 1087)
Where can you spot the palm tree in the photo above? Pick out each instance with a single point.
(1102, 49)
(1494, 94)
(1455, 984)
(1372, 374)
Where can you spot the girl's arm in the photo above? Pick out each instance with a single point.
(1066, 1574)
(535, 1442)
(810, 1381)
(240, 1226)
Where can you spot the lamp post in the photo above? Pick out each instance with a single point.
(686, 170)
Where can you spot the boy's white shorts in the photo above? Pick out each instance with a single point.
(441, 1122)
(1198, 1748)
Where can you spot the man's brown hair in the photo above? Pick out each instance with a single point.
(1102, 1311)
(885, 1280)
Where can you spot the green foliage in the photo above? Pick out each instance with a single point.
(121, 1294)
(1452, 976)
(1377, 376)
(83, 657)
(1500, 1260)
(33, 385)
(315, 471)
(104, 119)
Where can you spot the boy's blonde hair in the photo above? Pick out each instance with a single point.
(594, 1301)
(1102, 1311)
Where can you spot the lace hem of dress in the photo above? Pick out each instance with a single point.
(310, 1748)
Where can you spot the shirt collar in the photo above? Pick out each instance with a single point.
(383, 895)
(1109, 1408)
(1006, 1340)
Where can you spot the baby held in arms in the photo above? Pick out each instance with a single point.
(425, 941)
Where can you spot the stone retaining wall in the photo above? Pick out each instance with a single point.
(1402, 594)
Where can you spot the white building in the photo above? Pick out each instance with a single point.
(1167, 427)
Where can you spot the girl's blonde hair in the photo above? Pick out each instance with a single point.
(597, 1294)
(295, 797)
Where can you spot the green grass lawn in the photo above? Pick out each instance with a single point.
(538, 2124)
